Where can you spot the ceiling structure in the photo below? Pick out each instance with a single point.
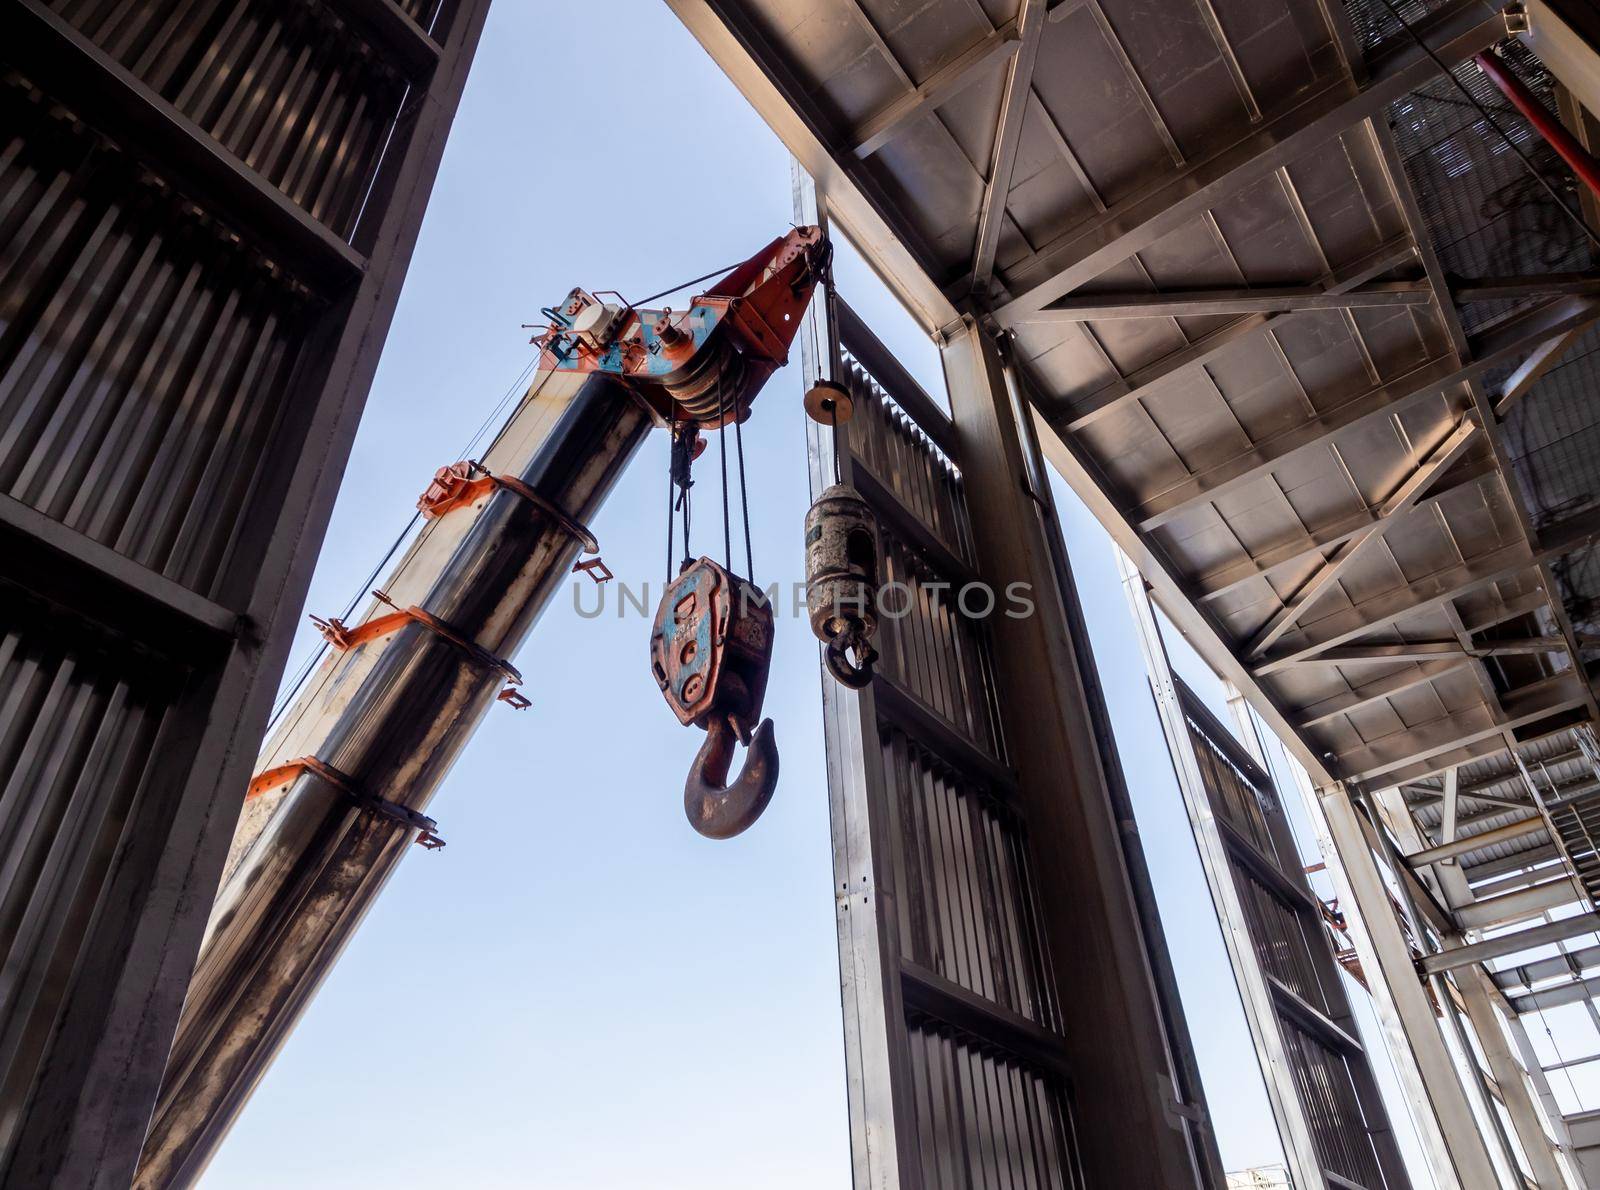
(1289, 309)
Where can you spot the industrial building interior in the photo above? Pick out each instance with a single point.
(1299, 300)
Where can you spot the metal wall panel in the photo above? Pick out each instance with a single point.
(958, 1030)
(1329, 1111)
(78, 721)
(968, 907)
(288, 88)
(962, 934)
(206, 211)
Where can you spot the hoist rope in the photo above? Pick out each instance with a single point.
(685, 285)
(722, 456)
(744, 500)
(669, 502)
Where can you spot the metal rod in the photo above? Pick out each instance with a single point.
(1519, 905)
(1512, 830)
(1583, 163)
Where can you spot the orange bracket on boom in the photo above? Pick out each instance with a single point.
(342, 637)
(462, 483)
(284, 774)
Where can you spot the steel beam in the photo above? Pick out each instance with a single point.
(1462, 844)
(1529, 372)
(1431, 591)
(1528, 975)
(1403, 496)
(1574, 992)
(1427, 747)
(1007, 138)
(1216, 583)
(1518, 862)
(1446, 1126)
(948, 81)
(1511, 907)
(102, 585)
(1083, 253)
(1115, 1040)
(1513, 943)
(1477, 996)
(1497, 345)
(1568, 43)
(1516, 289)
(928, 992)
(1213, 847)
(856, 202)
(882, 1114)
(1210, 346)
(1197, 303)
(1381, 688)
(1428, 650)
(389, 29)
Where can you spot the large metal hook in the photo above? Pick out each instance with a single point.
(715, 808)
(857, 673)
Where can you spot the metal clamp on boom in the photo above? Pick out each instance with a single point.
(342, 636)
(275, 778)
(463, 482)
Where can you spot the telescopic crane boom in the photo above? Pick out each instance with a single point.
(346, 776)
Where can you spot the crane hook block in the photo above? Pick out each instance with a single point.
(842, 582)
(710, 651)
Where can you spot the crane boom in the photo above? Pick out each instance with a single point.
(344, 778)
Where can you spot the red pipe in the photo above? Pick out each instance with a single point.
(1583, 162)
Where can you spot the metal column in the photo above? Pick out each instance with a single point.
(211, 207)
(1478, 994)
(1443, 1116)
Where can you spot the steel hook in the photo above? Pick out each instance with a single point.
(855, 674)
(715, 808)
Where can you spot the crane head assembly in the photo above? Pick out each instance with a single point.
(704, 364)
(699, 369)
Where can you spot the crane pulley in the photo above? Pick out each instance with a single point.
(697, 370)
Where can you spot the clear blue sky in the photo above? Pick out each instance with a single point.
(580, 991)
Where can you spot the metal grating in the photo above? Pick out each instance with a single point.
(985, 1119)
(1553, 436)
(79, 721)
(145, 358)
(1485, 214)
(289, 88)
(968, 910)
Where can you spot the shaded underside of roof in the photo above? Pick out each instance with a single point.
(1254, 263)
